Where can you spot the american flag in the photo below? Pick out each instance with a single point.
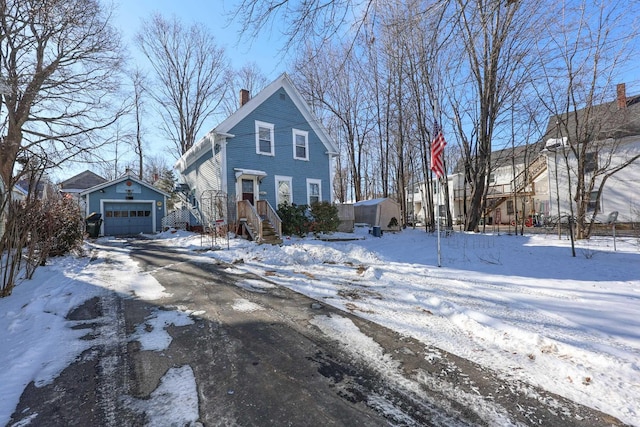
(437, 151)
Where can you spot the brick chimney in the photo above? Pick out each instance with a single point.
(244, 96)
(622, 95)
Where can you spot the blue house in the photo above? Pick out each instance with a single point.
(128, 206)
(270, 151)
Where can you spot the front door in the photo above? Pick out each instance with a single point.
(248, 190)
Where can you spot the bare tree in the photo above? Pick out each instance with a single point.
(591, 43)
(60, 63)
(190, 71)
(139, 89)
(320, 21)
(333, 81)
(250, 78)
(496, 39)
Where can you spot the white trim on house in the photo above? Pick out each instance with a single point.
(270, 127)
(126, 177)
(305, 135)
(311, 181)
(277, 180)
(250, 172)
(285, 82)
(121, 201)
(200, 148)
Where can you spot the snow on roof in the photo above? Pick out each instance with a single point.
(372, 202)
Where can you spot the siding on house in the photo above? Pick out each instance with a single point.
(116, 200)
(619, 192)
(205, 173)
(280, 111)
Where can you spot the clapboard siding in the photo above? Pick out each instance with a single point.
(280, 111)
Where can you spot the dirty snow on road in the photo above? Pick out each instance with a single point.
(38, 341)
(521, 305)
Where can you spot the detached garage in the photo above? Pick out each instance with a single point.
(128, 206)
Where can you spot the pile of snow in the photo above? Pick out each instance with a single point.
(520, 305)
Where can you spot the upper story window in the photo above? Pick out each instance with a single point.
(265, 138)
(300, 144)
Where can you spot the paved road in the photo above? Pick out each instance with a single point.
(273, 366)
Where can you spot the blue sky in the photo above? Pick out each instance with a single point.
(214, 14)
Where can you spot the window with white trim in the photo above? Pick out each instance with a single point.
(283, 190)
(314, 191)
(265, 138)
(300, 144)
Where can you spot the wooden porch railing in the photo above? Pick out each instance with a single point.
(265, 210)
(254, 217)
(523, 183)
(248, 213)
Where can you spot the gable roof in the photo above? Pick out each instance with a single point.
(81, 181)
(283, 81)
(598, 122)
(125, 177)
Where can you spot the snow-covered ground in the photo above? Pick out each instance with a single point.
(522, 306)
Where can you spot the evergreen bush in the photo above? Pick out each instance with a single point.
(294, 219)
(325, 217)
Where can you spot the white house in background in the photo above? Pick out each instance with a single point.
(614, 129)
(542, 188)
(525, 192)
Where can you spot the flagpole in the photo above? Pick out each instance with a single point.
(438, 218)
(436, 115)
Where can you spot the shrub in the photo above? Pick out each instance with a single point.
(325, 217)
(294, 219)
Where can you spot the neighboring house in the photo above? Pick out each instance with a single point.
(529, 196)
(79, 183)
(271, 150)
(611, 133)
(128, 206)
(523, 194)
(18, 193)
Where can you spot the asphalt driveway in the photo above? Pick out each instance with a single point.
(273, 366)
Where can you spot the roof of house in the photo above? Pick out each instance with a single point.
(283, 81)
(126, 177)
(504, 157)
(81, 181)
(598, 122)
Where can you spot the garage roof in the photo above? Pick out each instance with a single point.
(126, 177)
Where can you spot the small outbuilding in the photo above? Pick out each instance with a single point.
(127, 206)
(383, 213)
